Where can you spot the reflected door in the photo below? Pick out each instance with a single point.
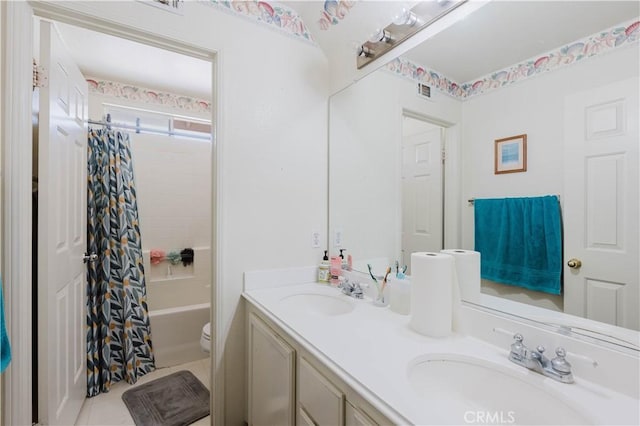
(422, 201)
(601, 204)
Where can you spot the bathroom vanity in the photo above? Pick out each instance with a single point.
(318, 357)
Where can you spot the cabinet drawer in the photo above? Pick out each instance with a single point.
(319, 400)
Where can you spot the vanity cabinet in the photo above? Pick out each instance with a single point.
(271, 376)
(356, 417)
(288, 385)
(319, 401)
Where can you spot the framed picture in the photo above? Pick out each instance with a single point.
(511, 155)
(173, 6)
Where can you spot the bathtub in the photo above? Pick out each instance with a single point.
(175, 334)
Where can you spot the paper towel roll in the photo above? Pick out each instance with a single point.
(468, 271)
(431, 293)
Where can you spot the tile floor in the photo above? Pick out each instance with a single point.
(108, 409)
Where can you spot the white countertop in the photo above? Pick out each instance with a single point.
(371, 348)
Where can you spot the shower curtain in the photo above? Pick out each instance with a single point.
(118, 333)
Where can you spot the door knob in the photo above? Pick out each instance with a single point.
(89, 257)
(574, 263)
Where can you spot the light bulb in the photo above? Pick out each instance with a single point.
(406, 17)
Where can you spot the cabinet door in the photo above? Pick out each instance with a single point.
(304, 419)
(319, 401)
(356, 417)
(271, 377)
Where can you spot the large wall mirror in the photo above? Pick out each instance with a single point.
(565, 74)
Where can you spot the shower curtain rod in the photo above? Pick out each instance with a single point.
(139, 129)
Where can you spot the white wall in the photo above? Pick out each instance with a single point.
(535, 107)
(173, 182)
(365, 157)
(272, 150)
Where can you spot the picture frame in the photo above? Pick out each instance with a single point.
(173, 6)
(510, 154)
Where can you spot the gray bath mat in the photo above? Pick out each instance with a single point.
(178, 399)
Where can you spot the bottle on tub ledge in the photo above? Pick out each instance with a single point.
(323, 269)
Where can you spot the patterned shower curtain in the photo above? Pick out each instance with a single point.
(118, 333)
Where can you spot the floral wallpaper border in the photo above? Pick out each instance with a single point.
(147, 96)
(405, 68)
(333, 12)
(596, 44)
(274, 14)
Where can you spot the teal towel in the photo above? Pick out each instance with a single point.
(520, 241)
(5, 348)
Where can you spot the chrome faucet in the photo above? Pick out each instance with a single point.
(558, 368)
(351, 289)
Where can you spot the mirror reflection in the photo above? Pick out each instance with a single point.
(413, 144)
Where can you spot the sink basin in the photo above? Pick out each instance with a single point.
(466, 390)
(318, 304)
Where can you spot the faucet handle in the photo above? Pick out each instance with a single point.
(559, 363)
(517, 347)
(540, 349)
(357, 291)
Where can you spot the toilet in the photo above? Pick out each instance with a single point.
(205, 338)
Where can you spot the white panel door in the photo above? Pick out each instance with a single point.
(422, 201)
(601, 204)
(62, 227)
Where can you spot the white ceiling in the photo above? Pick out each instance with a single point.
(499, 34)
(358, 24)
(116, 59)
(496, 36)
(503, 33)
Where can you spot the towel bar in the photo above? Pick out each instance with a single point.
(472, 200)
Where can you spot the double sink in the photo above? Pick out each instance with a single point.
(459, 386)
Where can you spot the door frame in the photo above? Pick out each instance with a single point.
(17, 152)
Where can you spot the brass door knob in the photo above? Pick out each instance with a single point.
(574, 263)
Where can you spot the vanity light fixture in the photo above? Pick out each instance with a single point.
(404, 25)
(365, 52)
(381, 35)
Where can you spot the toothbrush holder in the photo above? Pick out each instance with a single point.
(381, 297)
(400, 295)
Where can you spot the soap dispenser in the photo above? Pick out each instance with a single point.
(323, 269)
(335, 269)
(343, 262)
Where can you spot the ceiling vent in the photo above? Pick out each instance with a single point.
(424, 91)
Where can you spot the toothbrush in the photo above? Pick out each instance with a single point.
(375, 280)
(371, 273)
(384, 281)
